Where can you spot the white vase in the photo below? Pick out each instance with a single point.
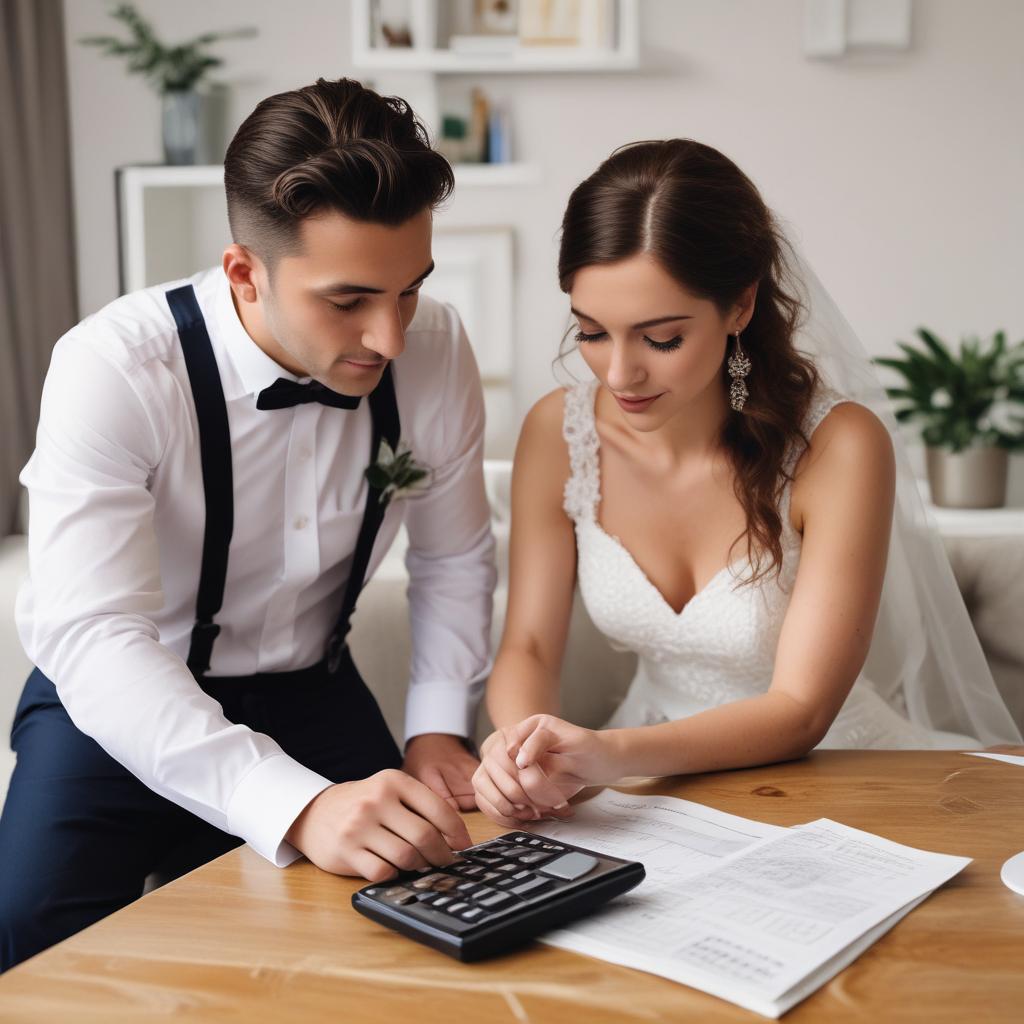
(974, 478)
(180, 121)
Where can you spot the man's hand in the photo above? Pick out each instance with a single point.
(440, 761)
(377, 825)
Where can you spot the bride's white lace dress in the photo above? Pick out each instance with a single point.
(721, 646)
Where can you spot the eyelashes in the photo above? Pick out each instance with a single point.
(659, 346)
(356, 303)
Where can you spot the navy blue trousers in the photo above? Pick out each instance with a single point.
(79, 833)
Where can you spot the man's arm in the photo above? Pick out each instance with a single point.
(85, 617)
(452, 577)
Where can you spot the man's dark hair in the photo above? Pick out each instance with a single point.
(329, 146)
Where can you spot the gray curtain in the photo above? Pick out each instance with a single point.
(37, 245)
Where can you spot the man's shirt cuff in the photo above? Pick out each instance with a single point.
(441, 707)
(266, 803)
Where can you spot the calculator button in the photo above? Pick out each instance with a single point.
(467, 887)
(534, 885)
(504, 883)
(497, 900)
(520, 839)
(519, 876)
(454, 908)
(399, 895)
(534, 842)
(490, 876)
(570, 866)
(472, 872)
(473, 913)
(535, 857)
(506, 867)
(483, 892)
(427, 881)
(552, 846)
(442, 901)
(446, 883)
(426, 897)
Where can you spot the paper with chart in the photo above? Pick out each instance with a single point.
(753, 913)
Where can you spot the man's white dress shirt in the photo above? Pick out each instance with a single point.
(117, 516)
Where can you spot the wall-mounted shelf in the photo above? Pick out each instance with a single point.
(622, 55)
(165, 176)
(445, 62)
(416, 72)
(974, 522)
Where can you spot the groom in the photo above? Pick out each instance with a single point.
(202, 521)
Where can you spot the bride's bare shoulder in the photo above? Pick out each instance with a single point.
(850, 432)
(850, 460)
(543, 423)
(541, 445)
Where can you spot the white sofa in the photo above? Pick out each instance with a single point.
(990, 572)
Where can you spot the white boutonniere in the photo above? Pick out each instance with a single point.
(396, 473)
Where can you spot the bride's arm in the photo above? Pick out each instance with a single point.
(844, 493)
(542, 573)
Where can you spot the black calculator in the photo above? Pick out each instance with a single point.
(497, 894)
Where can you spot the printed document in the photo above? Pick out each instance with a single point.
(754, 913)
(1008, 758)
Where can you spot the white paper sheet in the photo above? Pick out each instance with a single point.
(753, 913)
(1008, 758)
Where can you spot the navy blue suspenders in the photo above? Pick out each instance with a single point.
(215, 457)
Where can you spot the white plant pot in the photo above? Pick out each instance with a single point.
(975, 478)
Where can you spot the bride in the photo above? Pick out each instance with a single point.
(726, 507)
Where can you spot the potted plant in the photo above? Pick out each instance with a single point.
(971, 409)
(174, 71)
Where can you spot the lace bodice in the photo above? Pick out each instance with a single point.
(721, 646)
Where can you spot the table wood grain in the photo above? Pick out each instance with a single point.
(241, 940)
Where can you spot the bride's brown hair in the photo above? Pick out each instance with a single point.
(704, 221)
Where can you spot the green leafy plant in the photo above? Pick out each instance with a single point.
(974, 397)
(168, 68)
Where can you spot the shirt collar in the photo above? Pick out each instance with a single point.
(254, 369)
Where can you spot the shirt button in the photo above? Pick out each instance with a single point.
(301, 522)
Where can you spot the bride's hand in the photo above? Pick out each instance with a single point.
(567, 755)
(500, 791)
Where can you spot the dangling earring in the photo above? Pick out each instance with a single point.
(739, 367)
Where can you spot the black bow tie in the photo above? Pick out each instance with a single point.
(283, 394)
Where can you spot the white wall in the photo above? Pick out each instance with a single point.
(902, 177)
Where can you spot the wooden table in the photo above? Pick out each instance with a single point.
(240, 940)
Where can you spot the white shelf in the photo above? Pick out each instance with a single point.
(416, 72)
(169, 176)
(533, 60)
(495, 175)
(525, 59)
(472, 175)
(974, 522)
